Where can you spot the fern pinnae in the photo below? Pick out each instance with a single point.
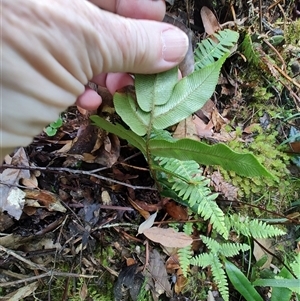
(230, 249)
(203, 260)
(208, 50)
(185, 254)
(194, 190)
(252, 228)
(220, 278)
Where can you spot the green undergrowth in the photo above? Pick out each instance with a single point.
(176, 165)
(272, 192)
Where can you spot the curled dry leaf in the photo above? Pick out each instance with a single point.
(168, 237)
(148, 223)
(210, 21)
(46, 199)
(12, 198)
(176, 211)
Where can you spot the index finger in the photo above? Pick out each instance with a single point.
(137, 9)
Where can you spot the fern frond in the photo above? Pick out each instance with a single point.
(226, 249)
(188, 228)
(232, 249)
(208, 51)
(210, 210)
(185, 254)
(249, 51)
(212, 259)
(203, 260)
(219, 276)
(186, 169)
(188, 183)
(295, 265)
(212, 244)
(252, 228)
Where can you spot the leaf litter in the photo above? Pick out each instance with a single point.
(75, 233)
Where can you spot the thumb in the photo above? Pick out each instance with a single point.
(136, 46)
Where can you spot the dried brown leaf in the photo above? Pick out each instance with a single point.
(12, 199)
(46, 199)
(148, 223)
(210, 21)
(186, 129)
(168, 237)
(229, 191)
(176, 211)
(158, 275)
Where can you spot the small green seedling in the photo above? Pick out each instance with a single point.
(51, 130)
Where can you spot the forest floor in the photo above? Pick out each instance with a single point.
(86, 192)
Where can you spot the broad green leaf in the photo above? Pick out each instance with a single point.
(282, 293)
(156, 89)
(293, 284)
(241, 283)
(127, 107)
(218, 154)
(120, 131)
(188, 96)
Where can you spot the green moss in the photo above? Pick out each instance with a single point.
(292, 34)
(277, 192)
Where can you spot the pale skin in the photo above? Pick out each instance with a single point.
(51, 49)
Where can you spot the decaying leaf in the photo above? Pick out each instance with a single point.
(43, 198)
(148, 223)
(168, 237)
(144, 213)
(259, 252)
(12, 198)
(22, 292)
(181, 282)
(158, 278)
(210, 21)
(186, 129)
(176, 211)
(229, 191)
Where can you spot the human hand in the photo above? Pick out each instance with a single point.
(51, 49)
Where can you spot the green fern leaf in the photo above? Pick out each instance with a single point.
(252, 228)
(208, 50)
(232, 249)
(185, 255)
(217, 154)
(212, 244)
(188, 228)
(193, 188)
(151, 90)
(220, 277)
(160, 110)
(295, 265)
(249, 51)
(210, 210)
(203, 260)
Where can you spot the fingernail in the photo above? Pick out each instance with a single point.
(175, 45)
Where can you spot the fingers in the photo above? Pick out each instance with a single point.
(89, 100)
(51, 49)
(137, 9)
(135, 46)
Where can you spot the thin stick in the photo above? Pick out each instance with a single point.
(81, 172)
(48, 274)
(19, 257)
